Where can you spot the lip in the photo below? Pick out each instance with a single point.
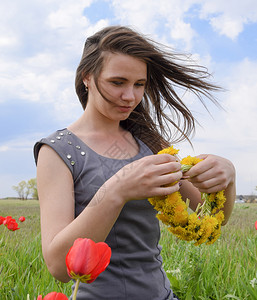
(124, 108)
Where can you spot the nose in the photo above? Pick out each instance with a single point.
(128, 94)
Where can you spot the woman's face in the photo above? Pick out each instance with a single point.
(122, 82)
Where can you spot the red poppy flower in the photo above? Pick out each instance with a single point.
(1, 220)
(22, 219)
(10, 223)
(53, 296)
(87, 259)
(256, 225)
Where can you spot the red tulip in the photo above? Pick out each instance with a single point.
(1, 220)
(22, 219)
(7, 219)
(53, 296)
(256, 225)
(10, 223)
(87, 259)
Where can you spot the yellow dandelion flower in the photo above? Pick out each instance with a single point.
(163, 218)
(214, 236)
(157, 202)
(180, 214)
(173, 199)
(201, 226)
(220, 199)
(211, 197)
(193, 225)
(220, 216)
(170, 150)
(181, 233)
(188, 162)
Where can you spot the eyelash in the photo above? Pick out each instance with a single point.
(140, 84)
(119, 83)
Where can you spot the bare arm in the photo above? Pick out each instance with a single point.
(56, 195)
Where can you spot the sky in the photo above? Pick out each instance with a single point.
(41, 44)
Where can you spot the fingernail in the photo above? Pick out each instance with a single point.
(180, 183)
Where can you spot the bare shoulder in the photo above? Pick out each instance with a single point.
(54, 178)
(56, 193)
(47, 155)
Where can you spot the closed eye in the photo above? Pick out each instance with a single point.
(140, 84)
(117, 83)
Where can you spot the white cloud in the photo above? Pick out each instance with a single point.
(17, 162)
(232, 133)
(226, 17)
(229, 17)
(242, 102)
(24, 143)
(7, 41)
(41, 49)
(227, 25)
(4, 148)
(151, 16)
(45, 70)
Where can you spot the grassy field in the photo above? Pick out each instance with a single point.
(224, 270)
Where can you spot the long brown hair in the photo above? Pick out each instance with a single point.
(166, 71)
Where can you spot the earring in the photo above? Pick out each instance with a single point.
(86, 89)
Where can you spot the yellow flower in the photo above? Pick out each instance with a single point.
(157, 202)
(191, 161)
(188, 162)
(180, 214)
(201, 226)
(172, 200)
(164, 218)
(170, 150)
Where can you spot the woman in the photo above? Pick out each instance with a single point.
(94, 177)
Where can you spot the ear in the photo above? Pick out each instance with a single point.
(86, 80)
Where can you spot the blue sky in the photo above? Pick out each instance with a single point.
(41, 43)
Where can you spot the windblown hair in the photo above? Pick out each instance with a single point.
(166, 71)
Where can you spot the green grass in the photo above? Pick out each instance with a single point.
(225, 270)
(22, 268)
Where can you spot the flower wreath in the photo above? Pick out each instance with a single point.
(203, 225)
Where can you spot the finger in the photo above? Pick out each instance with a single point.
(169, 167)
(202, 177)
(198, 169)
(164, 191)
(168, 178)
(213, 189)
(202, 156)
(208, 184)
(164, 158)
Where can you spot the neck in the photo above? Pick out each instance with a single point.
(96, 125)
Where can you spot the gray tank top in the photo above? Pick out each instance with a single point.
(135, 271)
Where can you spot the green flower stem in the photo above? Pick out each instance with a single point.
(198, 208)
(205, 208)
(187, 202)
(185, 168)
(76, 289)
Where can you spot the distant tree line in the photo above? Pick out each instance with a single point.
(26, 189)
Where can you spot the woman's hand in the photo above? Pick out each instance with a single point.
(211, 175)
(147, 177)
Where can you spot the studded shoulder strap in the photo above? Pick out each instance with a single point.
(67, 146)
